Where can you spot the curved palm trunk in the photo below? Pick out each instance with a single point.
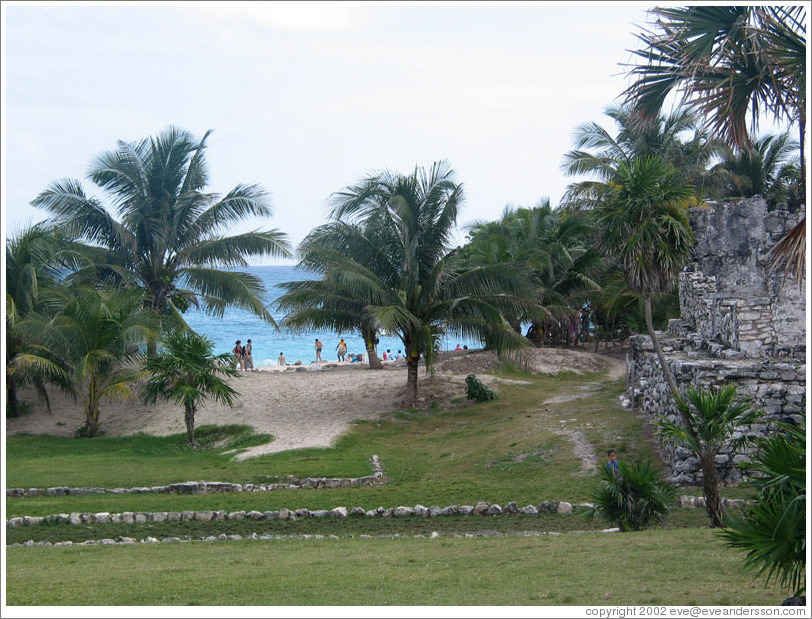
(669, 376)
(189, 418)
(710, 488)
(372, 354)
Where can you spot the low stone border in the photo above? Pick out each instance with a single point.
(269, 536)
(214, 487)
(482, 508)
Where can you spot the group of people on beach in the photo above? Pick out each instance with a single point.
(243, 356)
(243, 359)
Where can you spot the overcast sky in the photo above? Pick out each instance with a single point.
(307, 98)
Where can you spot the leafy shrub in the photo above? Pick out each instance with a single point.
(634, 500)
(476, 390)
(772, 531)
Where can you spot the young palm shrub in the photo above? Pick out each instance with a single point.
(772, 531)
(95, 340)
(187, 373)
(713, 418)
(637, 498)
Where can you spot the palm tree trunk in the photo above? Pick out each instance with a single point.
(412, 363)
(801, 131)
(92, 410)
(12, 402)
(92, 419)
(189, 418)
(374, 360)
(372, 354)
(669, 376)
(710, 489)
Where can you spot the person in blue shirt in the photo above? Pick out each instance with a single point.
(613, 465)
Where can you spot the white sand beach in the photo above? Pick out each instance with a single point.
(305, 406)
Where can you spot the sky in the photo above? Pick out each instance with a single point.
(306, 98)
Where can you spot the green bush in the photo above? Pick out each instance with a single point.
(772, 530)
(475, 390)
(637, 498)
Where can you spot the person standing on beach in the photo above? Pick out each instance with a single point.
(319, 346)
(248, 356)
(281, 359)
(237, 352)
(342, 349)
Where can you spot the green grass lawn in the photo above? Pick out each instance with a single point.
(660, 567)
(516, 448)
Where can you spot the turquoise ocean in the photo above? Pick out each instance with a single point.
(239, 324)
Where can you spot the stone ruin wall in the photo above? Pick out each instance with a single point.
(741, 323)
(729, 293)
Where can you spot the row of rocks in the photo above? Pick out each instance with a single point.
(268, 536)
(214, 487)
(482, 508)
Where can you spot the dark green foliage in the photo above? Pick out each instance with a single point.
(476, 390)
(772, 531)
(638, 498)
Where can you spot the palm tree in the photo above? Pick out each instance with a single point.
(729, 62)
(98, 336)
(772, 530)
(167, 237)
(39, 260)
(400, 269)
(714, 418)
(335, 251)
(769, 169)
(645, 226)
(187, 373)
(677, 138)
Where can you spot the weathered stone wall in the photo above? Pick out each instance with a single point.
(742, 323)
(729, 292)
(777, 387)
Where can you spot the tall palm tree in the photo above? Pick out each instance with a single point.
(714, 418)
(163, 232)
(187, 373)
(399, 265)
(729, 62)
(644, 225)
